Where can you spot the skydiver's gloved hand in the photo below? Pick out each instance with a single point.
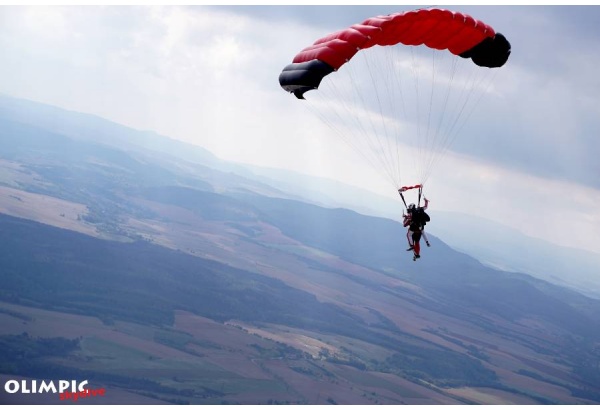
(427, 242)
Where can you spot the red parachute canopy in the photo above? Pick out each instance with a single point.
(439, 29)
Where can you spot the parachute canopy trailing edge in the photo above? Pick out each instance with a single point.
(459, 33)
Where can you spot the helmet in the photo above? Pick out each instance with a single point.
(411, 207)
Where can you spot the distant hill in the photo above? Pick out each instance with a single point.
(510, 250)
(503, 249)
(180, 277)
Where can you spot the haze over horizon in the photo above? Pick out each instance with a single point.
(208, 75)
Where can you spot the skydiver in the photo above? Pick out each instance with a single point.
(415, 220)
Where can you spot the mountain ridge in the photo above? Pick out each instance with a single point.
(320, 296)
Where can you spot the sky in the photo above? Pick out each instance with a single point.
(208, 75)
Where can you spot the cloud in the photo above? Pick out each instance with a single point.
(545, 109)
(544, 116)
(561, 212)
(208, 75)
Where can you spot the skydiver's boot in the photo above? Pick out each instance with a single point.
(417, 250)
(410, 248)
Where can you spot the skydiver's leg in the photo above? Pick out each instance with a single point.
(425, 236)
(409, 235)
(416, 237)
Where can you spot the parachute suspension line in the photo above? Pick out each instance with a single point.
(425, 102)
(382, 135)
(468, 106)
(417, 106)
(452, 105)
(346, 139)
(467, 91)
(347, 98)
(387, 153)
(399, 88)
(399, 92)
(443, 143)
(431, 97)
(488, 79)
(392, 87)
(396, 91)
(425, 105)
(322, 115)
(483, 84)
(345, 135)
(438, 141)
(363, 134)
(474, 87)
(428, 145)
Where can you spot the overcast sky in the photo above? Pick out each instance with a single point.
(528, 157)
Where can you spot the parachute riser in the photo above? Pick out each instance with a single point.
(403, 200)
(406, 188)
